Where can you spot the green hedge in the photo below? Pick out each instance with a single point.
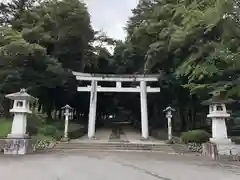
(196, 136)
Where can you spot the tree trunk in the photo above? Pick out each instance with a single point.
(183, 121)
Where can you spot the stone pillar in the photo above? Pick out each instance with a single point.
(66, 127)
(92, 110)
(169, 128)
(144, 110)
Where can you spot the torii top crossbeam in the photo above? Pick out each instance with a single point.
(115, 77)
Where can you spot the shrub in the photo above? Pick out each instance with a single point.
(196, 136)
(49, 130)
(33, 124)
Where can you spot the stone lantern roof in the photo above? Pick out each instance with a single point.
(218, 98)
(67, 107)
(21, 95)
(169, 108)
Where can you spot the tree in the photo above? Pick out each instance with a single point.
(62, 32)
(11, 10)
(63, 27)
(181, 39)
(25, 65)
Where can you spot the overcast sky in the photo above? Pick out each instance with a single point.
(110, 15)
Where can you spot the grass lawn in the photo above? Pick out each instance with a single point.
(5, 127)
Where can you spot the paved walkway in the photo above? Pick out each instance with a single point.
(109, 166)
(130, 134)
(100, 135)
(134, 136)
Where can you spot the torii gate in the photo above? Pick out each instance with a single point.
(143, 89)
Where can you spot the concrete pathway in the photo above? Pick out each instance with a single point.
(130, 135)
(100, 135)
(134, 136)
(109, 166)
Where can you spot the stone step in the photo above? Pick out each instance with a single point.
(114, 146)
(110, 144)
(109, 150)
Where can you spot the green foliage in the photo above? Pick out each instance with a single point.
(33, 124)
(48, 130)
(198, 41)
(196, 136)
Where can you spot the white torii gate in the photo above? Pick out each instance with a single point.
(143, 89)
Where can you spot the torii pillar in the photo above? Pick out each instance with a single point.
(92, 110)
(144, 110)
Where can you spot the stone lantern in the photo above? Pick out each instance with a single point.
(218, 114)
(21, 108)
(169, 116)
(67, 113)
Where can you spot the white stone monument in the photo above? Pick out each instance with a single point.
(169, 116)
(67, 113)
(17, 140)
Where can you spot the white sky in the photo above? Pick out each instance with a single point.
(110, 16)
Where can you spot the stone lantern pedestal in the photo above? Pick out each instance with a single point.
(18, 140)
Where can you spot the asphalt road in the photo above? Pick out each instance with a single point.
(113, 166)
